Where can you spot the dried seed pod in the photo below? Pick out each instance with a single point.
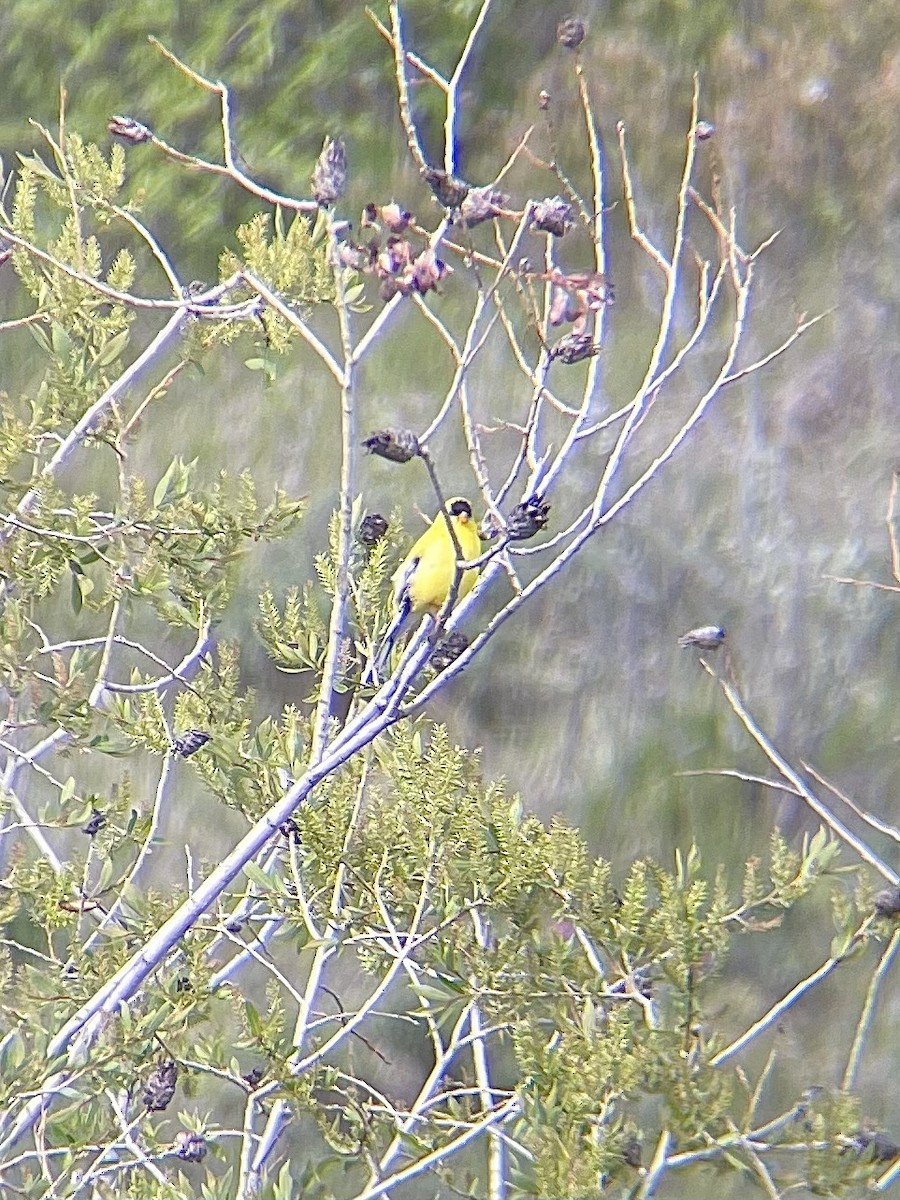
(372, 529)
(396, 445)
(190, 742)
(95, 824)
(427, 271)
(390, 287)
(329, 177)
(881, 1148)
(564, 307)
(128, 129)
(448, 650)
(553, 215)
(574, 347)
(887, 903)
(527, 519)
(481, 204)
(570, 32)
(190, 1146)
(449, 189)
(706, 637)
(160, 1086)
(631, 1152)
(395, 219)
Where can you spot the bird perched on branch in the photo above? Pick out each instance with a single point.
(424, 580)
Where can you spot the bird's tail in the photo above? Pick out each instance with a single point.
(380, 663)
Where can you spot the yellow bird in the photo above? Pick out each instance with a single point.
(424, 579)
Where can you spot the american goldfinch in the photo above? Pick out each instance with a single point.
(424, 579)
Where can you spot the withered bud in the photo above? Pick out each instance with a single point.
(631, 1152)
(570, 32)
(564, 307)
(527, 519)
(397, 254)
(448, 650)
(329, 177)
(190, 1146)
(395, 218)
(592, 288)
(706, 637)
(544, 99)
(396, 445)
(190, 742)
(348, 255)
(587, 291)
(705, 130)
(553, 215)
(128, 129)
(489, 529)
(481, 204)
(160, 1086)
(95, 824)
(881, 1148)
(427, 272)
(573, 348)
(887, 903)
(390, 287)
(449, 189)
(372, 529)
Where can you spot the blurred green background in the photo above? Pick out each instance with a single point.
(584, 702)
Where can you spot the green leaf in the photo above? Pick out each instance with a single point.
(112, 349)
(257, 876)
(62, 343)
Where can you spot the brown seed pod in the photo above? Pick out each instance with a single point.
(329, 177)
(887, 903)
(449, 189)
(481, 204)
(570, 32)
(190, 742)
(574, 347)
(190, 1146)
(160, 1086)
(427, 272)
(527, 519)
(553, 215)
(631, 1152)
(396, 445)
(372, 529)
(448, 650)
(95, 824)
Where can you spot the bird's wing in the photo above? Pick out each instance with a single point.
(402, 580)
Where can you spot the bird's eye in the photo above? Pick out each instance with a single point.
(460, 508)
